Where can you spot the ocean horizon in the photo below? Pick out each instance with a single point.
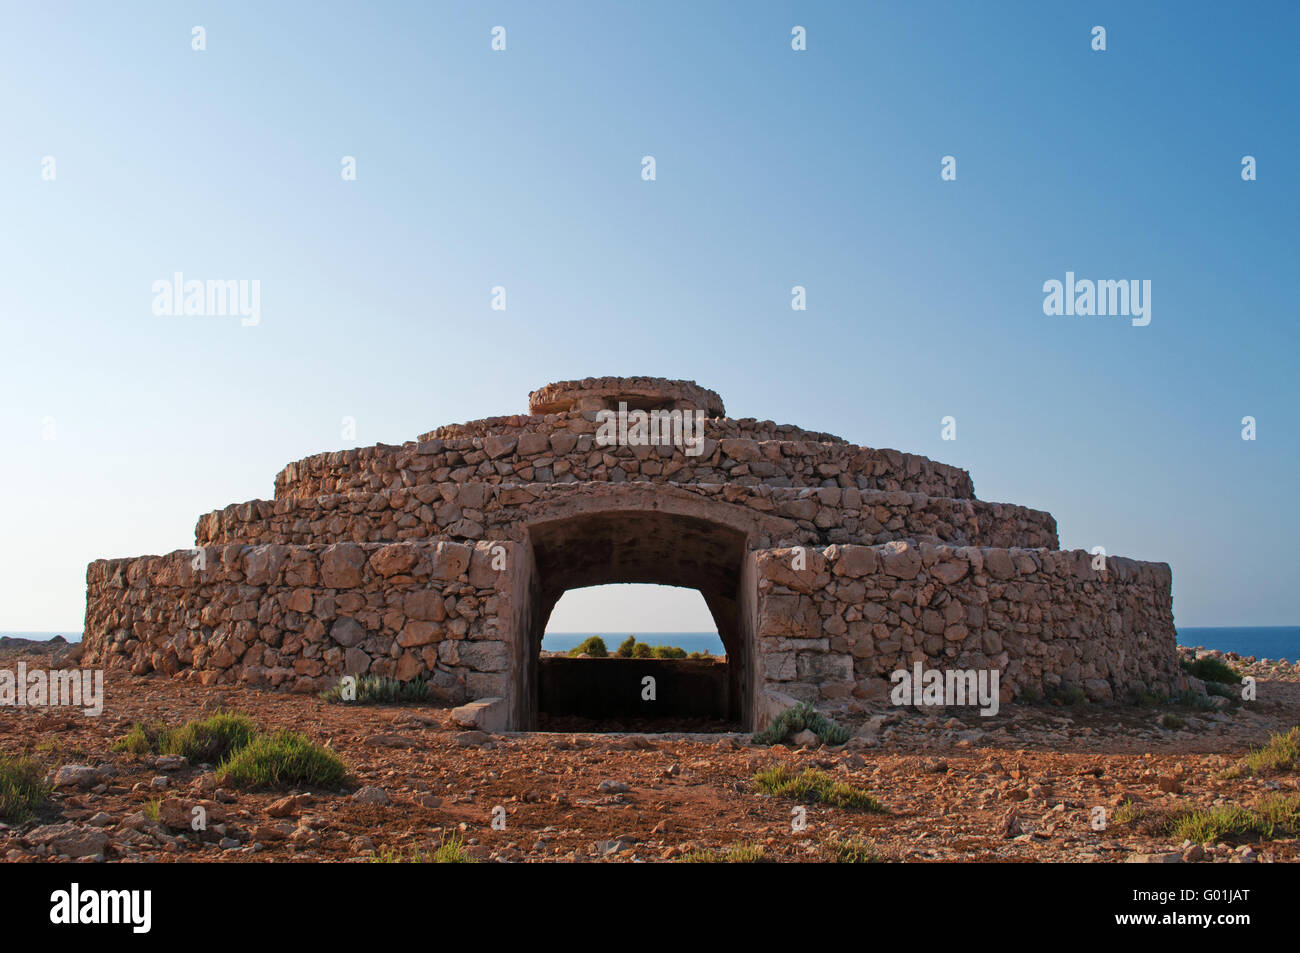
(1261, 641)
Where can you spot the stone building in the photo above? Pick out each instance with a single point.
(826, 566)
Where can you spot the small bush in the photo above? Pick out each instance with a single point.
(381, 690)
(740, 854)
(631, 648)
(450, 851)
(794, 720)
(1128, 812)
(1230, 692)
(1277, 815)
(816, 786)
(1280, 813)
(1280, 754)
(1145, 698)
(283, 759)
(852, 850)
(1215, 824)
(593, 646)
(1067, 697)
(211, 740)
(669, 651)
(1212, 670)
(23, 790)
(1172, 721)
(1190, 699)
(142, 739)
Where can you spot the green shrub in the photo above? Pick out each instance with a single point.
(593, 646)
(631, 648)
(23, 790)
(1067, 697)
(1145, 698)
(794, 720)
(1215, 824)
(1212, 670)
(740, 854)
(669, 651)
(1280, 814)
(1128, 812)
(1281, 753)
(1276, 815)
(852, 850)
(1230, 692)
(450, 851)
(1172, 721)
(382, 690)
(283, 759)
(142, 739)
(209, 740)
(816, 786)
(1191, 699)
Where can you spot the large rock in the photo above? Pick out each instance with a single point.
(901, 559)
(347, 632)
(394, 560)
(69, 839)
(341, 565)
(76, 776)
(485, 714)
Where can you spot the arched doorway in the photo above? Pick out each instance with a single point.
(671, 548)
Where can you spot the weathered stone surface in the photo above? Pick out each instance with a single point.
(827, 565)
(347, 632)
(486, 714)
(76, 776)
(340, 565)
(71, 840)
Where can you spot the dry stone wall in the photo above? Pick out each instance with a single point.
(474, 510)
(716, 428)
(567, 457)
(299, 617)
(833, 631)
(378, 560)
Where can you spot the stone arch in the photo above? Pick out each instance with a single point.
(687, 542)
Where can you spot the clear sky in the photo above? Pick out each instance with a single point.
(522, 168)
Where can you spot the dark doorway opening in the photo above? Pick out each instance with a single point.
(613, 694)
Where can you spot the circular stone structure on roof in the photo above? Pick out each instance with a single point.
(638, 393)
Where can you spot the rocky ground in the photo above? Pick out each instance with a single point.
(1022, 786)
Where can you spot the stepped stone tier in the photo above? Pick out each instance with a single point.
(826, 566)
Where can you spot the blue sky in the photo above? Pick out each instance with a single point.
(775, 168)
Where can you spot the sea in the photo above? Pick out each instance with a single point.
(690, 641)
(1270, 642)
